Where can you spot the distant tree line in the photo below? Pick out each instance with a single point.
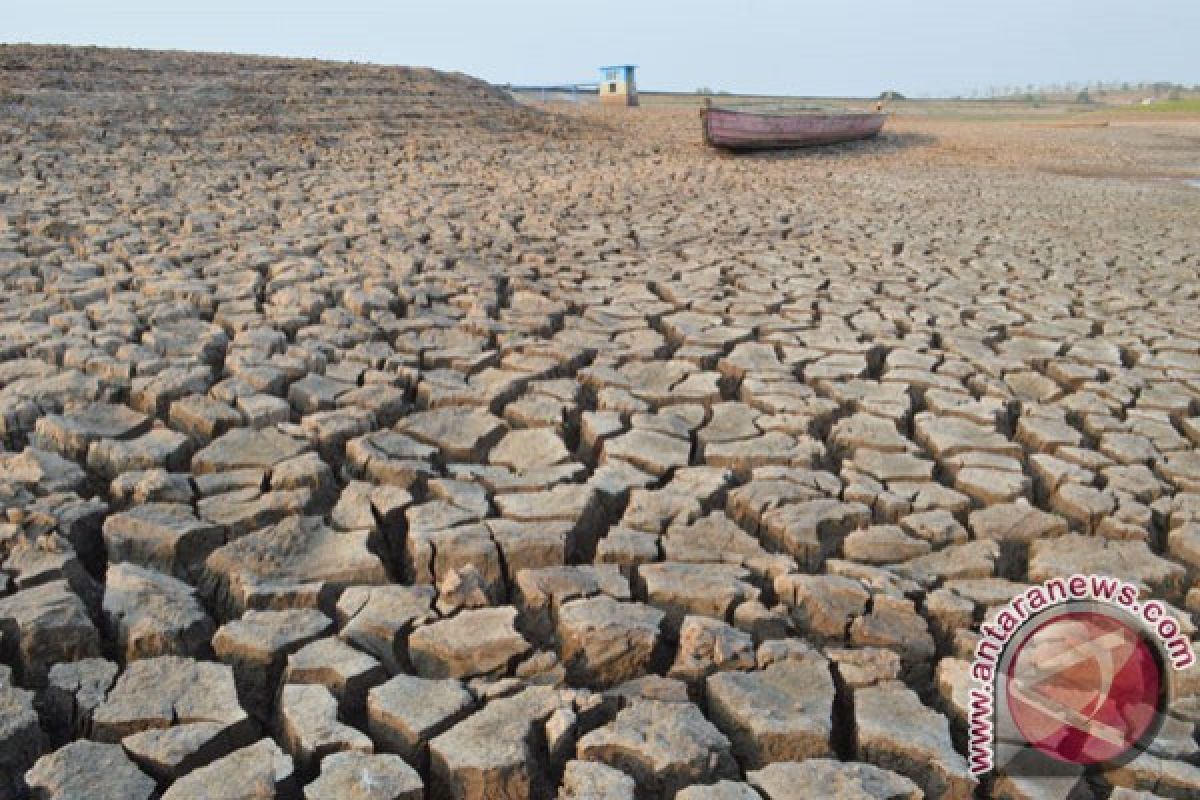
(1071, 91)
(1079, 92)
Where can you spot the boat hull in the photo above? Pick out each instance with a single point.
(747, 130)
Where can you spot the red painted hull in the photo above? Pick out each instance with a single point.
(747, 130)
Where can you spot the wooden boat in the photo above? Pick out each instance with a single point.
(765, 128)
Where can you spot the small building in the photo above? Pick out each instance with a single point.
(618, 88)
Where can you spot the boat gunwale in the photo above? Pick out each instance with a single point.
(797, 112)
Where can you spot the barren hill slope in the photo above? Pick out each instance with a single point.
(141, 92)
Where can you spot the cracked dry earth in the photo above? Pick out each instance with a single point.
(366, 435)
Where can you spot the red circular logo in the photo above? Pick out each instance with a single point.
(1084, 687)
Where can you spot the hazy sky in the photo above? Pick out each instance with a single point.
(772, 46)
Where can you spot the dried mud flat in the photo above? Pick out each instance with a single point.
(366, 435)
